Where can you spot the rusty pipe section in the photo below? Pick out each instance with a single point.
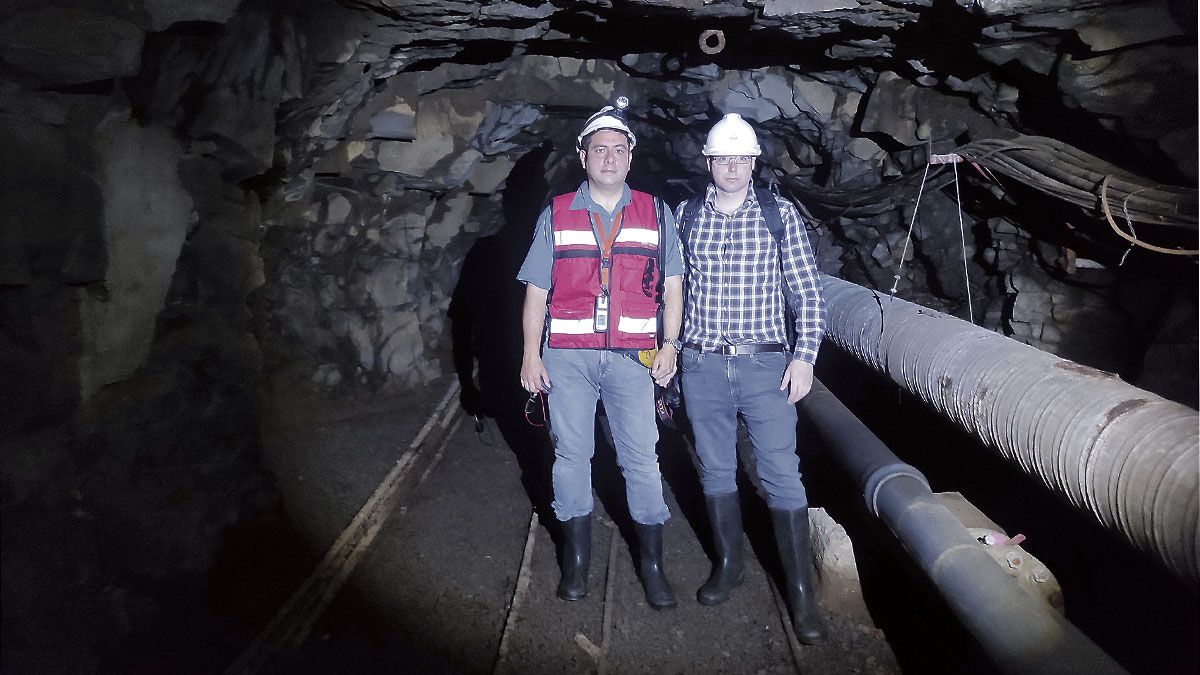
(1127, 456)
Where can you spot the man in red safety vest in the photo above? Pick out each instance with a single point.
(603, 260)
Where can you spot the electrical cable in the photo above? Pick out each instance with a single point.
(962, 235)
(1044, 164)
(1132, 239)
(903, 255)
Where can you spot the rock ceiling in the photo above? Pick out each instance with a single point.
(379, 135)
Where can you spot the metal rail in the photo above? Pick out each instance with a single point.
(1127, 456)
(292, 624)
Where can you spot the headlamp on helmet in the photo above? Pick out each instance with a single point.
(611, 117)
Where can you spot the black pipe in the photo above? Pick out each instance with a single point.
(1018, 632)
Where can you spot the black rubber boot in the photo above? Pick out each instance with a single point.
(576, 554)
(725, 514)
(792, 535)
(658, 590)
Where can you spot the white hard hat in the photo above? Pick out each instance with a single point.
(731, 135)
(608, 117)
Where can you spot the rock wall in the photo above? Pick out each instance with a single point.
(145, 219)
(135, 140)
(377, 160)
(370, 239)
(380, 176)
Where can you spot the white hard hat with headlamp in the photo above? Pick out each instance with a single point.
(731, 136)
(608, 117)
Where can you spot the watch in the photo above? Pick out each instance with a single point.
(674, 343)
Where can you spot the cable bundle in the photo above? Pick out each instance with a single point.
(1044, 164)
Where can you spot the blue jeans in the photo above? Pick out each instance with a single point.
(715, 389)
(578, 378)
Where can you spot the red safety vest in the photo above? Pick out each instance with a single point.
(577, 275)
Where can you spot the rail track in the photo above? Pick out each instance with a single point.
(525, 626)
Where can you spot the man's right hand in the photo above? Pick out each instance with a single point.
(534, 377)
(533, 319)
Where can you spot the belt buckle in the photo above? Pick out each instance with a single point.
(729, 350)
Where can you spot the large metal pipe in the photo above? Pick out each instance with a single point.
(1127, 456)
(1019, 632)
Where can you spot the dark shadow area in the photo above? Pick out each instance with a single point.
(261, 560)
(675, 460)
(485, 317)
(355, 636)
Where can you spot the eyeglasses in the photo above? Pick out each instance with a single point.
(531, 410)
(736, 159)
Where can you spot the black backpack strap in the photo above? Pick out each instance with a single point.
(660, 216)
(769, 207)
(690, 211)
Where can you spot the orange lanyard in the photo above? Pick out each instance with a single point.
(606, 241)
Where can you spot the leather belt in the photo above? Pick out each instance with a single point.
(738, 350)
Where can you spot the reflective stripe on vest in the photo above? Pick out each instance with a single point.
(630, 235)
(575, 278)
(574, 238)
(572, 326)
(625, 324)
(628, 324)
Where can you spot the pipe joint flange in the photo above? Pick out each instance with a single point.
(712, 41)
(880, 476)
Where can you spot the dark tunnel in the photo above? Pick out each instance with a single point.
(260, 330)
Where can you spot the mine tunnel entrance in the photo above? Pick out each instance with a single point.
(260, 327)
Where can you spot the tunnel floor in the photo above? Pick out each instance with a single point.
(435, 591)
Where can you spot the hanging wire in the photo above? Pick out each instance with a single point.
(962, 236)
(1133, 239)
(907, 239)
(1129, 223)
(1131, 245)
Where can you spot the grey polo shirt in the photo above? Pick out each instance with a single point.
(540, 259)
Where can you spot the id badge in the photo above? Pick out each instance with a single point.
(600, 323)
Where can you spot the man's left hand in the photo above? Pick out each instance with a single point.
(664, 365)
(797, 380)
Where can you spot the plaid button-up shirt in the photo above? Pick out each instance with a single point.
(733, 290)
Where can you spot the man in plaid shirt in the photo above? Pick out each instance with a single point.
(736, 360)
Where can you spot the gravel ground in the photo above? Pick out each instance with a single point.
(434, 591)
